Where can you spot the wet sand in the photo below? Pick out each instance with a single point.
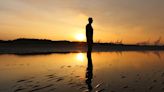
(112, 72)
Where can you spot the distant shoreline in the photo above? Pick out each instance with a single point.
(29, 46)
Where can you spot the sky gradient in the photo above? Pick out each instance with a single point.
(131, 21)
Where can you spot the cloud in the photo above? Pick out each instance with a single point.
(144, 17)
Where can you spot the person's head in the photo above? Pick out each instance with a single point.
(90, 20)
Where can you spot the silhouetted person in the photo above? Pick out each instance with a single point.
(89, 72)
(89, 34)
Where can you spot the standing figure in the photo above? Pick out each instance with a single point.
(89, 34)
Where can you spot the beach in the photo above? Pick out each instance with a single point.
(130, 71)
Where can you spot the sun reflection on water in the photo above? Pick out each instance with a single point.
(80, 57)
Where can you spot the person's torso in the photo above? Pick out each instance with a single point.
(89, 30)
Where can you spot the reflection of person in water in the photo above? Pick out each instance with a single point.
(89, 70)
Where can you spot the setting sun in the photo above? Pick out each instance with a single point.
(80, 37)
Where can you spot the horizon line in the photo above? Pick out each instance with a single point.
(116, 42)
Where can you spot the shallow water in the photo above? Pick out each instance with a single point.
(74, 72)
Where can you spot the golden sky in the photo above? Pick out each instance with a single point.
(131, 21)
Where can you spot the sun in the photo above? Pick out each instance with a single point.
(80, 37)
